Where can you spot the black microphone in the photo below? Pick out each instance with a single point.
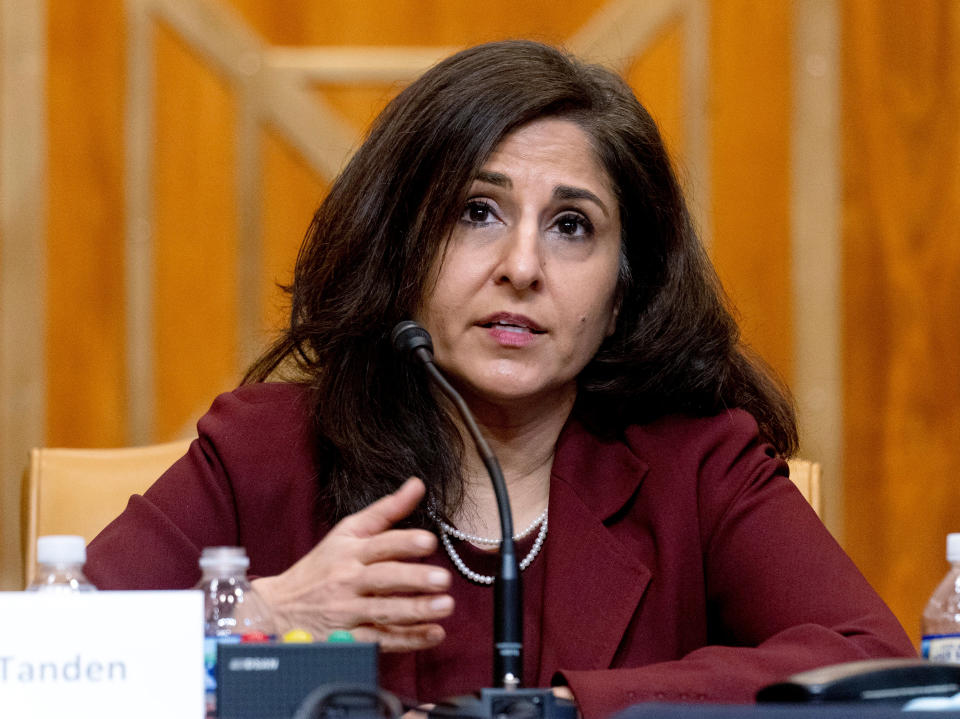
(508, 699)
(411, 339)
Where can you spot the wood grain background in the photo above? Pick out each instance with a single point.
(901, 310)
(898, 163)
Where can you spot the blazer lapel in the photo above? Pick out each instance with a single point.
(593, 585)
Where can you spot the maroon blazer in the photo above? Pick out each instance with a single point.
(681, 564)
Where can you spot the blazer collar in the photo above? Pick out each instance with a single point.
(604, 474)
(593, 585)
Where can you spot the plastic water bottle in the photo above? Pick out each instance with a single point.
(233, 611)
(940, 625)
(60, 560)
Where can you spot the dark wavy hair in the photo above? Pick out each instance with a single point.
(364, 264)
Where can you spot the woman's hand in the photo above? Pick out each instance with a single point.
(356, 579)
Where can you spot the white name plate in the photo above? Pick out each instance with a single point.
(102, 654)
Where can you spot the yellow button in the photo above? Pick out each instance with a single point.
(297, 636)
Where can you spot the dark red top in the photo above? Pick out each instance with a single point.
(681, 563)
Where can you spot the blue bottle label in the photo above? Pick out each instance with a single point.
(210, 669)
(941, 647)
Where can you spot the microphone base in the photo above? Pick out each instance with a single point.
(505, 704)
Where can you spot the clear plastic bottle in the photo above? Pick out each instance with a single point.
(940, 625)
(233, 611)
(60, 560)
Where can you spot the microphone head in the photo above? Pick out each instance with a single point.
(408, 336)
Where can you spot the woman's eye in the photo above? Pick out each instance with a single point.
(477, 213)
(574, 225)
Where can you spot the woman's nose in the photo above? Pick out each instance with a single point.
(521, 262)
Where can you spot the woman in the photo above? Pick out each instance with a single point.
(522, 207)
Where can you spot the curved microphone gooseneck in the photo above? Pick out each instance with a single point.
(412, 340)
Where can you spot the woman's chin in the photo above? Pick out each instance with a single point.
(524, 395)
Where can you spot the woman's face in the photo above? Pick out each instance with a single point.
(524, 293)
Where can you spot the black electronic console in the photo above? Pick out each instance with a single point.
(506, 704)
(349, 701)
(272, 680)
(873, 680)
(509, 700)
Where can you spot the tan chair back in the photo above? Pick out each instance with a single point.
(806, 475)
(80, 491)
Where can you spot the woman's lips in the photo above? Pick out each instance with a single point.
(510, 330)
(508, 319)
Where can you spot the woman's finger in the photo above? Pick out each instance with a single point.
(390, 611)
(401, 638)
(385, 512)
(386, 578)
(398, 544)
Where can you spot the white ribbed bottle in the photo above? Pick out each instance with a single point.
(233, 611)
(940, 625)
(60, 560)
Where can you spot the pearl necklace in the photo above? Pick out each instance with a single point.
(446, 531)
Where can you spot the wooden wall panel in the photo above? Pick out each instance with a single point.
(23, 251)
(750, 103)
(657, 78)
(84, 278)
(414, 22)
(291, 193)
(901, 134)
(194, 237)
(359, 105)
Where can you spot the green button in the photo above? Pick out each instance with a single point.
(341, 635)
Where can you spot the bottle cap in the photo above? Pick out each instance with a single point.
(224, 558)
(61, 549)
(953, 547)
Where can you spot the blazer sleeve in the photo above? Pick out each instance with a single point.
(781, 596)
(249, 469)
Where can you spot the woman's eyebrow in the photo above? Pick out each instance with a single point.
(566, 192)
(494, 178)
(560, 192)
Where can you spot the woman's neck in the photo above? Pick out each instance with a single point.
(524, 439)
